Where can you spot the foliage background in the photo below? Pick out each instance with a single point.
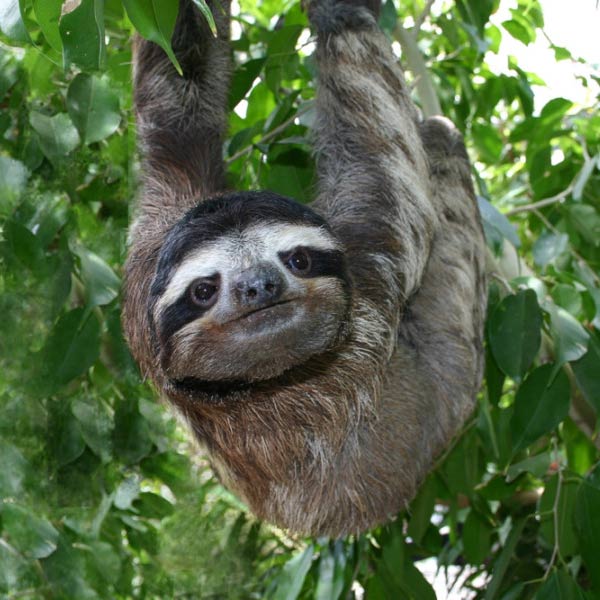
(101, 493)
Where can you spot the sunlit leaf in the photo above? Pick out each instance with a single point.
(293, 574)
(11, 20)
(82, 34)
(13, 468)
(207, 14)
(47, 13)
(549, 246)
(96, 426)
(496, 226)
(101, 283)
(586, 220)
(29, 533)
(155, 21)
(57, 134)
(93, 108)
(13, 179)
(570, 338)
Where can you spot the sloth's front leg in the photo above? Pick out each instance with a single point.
(373, 176)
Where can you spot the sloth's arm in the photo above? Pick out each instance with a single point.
(181, 124)
(181, 120)
(373, 176)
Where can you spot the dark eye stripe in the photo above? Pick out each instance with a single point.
(324, 263)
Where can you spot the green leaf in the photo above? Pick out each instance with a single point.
(587, 523)
(559, 512)
(47, 13)
(13, 179)
(66, 444)
(153, 506)
(570, 338)
(155, 21)
(560, 586)
(487, 141)
(540, 405)
(477, 538)
(567, 297)
(72, 347)
(13, 468)
(33, 536)
(587, 373)
(207, 14)
(501, 564)
(11, 21)
(82, 34)
(24, 246)
(537, 465)
(101, 283)
(549, 246)
(514, 331)
(242, 80)
(421, 509)
(106, 561)
(173, 468)
(519, 31)
(496, 226)
(292, 576)
(586, 220)
(127, 492)
(581, 452)
(332, 565)
(58, 135)
(96, 426)
(93, 108)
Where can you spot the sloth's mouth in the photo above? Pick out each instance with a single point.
(264, 311)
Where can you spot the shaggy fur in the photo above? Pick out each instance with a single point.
(339, 443)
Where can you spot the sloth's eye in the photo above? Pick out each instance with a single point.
(298, 261)
(203, 292)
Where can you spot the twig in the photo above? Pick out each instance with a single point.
(270, 135)
(421, 18)
(559, 484)
(541, 203)
(430, 103)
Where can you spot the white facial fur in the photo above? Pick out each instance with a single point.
(239, 250)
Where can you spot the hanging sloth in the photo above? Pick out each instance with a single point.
(323, 356)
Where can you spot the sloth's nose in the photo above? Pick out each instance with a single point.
(258, 286)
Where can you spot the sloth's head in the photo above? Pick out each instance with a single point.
(247, 286)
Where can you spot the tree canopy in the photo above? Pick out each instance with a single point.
(102, 493)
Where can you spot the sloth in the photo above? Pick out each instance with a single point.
(324, 355)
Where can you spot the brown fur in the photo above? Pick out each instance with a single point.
(340, 443)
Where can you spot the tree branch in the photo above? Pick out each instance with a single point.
(271, 134)
(421, 18)
(540, 203)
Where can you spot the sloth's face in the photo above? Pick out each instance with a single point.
(247, 289)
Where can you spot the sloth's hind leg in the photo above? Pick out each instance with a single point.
(444, 320)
